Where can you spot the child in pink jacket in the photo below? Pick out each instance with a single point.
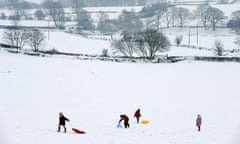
(199, 122)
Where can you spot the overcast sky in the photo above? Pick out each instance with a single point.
(35, 1)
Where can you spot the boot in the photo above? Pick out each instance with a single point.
(58, 129)
(65, 130)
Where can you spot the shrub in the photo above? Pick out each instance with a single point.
(105, 53)
(218, 47)
(178, 39)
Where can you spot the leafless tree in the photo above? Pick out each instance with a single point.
(167, 17)
(155, 42)
(37, 39)
(155, 14)
(123, 47)
(105, 24)
(84, 20)
(183, 15)
(146, 43)
(18, 11)
(77, 6)
(173, 15)
(215, 15)
(16, 38)
(202, 14)
(56, 11)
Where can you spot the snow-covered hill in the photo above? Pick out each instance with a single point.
(92, 94)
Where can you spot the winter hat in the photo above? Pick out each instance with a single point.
(61, 114)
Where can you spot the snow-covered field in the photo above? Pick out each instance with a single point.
(66, 42)
(74, 43)
(92, 94)
(205, 38)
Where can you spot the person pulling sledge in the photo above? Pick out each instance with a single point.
(125, 119)
(199, 122)
(62, 120)
(137, 115)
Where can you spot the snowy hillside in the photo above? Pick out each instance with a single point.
(93, 94)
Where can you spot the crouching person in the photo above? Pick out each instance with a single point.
(125, 119)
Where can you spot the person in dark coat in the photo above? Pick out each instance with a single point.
(137, 115)
(199, 122)
(125, 119)
(62, 120)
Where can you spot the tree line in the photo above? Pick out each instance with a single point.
(18, 38)
(66, 3)
(154, 16)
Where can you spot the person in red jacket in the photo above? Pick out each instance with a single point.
(62, 120)
(137, 115)
(199, 122)
(125, 119)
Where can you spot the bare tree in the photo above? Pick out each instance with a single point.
(123, 47)
(56, 12)
(214, 16)
(183, 15)
(16, 38)
(155, 42)
(160, 9)
(84, 20)
(167, 17)
(18, 11)
(105, 24)
(155, 14)
(37, 39)
(202, 14)
(129, 22)
(77, 6)
(146, 43)
(173, 15)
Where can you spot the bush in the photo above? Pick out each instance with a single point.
(218, 46)
(178, 39)
(144, 44)
(52, 51)
(39, 15)
(3, 16)
(105, 53)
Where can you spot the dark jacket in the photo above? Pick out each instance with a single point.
(124, 118)
(137, 114)
(199, 121)
(62, 120)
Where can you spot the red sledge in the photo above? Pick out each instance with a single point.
(78, 131)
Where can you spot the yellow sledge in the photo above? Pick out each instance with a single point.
(145, 121)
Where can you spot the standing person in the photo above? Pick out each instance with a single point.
(62, 120)
(199, 122)
(137, 115)
(125, 119)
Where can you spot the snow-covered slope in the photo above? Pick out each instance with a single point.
(92, 94)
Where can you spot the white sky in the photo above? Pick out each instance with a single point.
(35, 1)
